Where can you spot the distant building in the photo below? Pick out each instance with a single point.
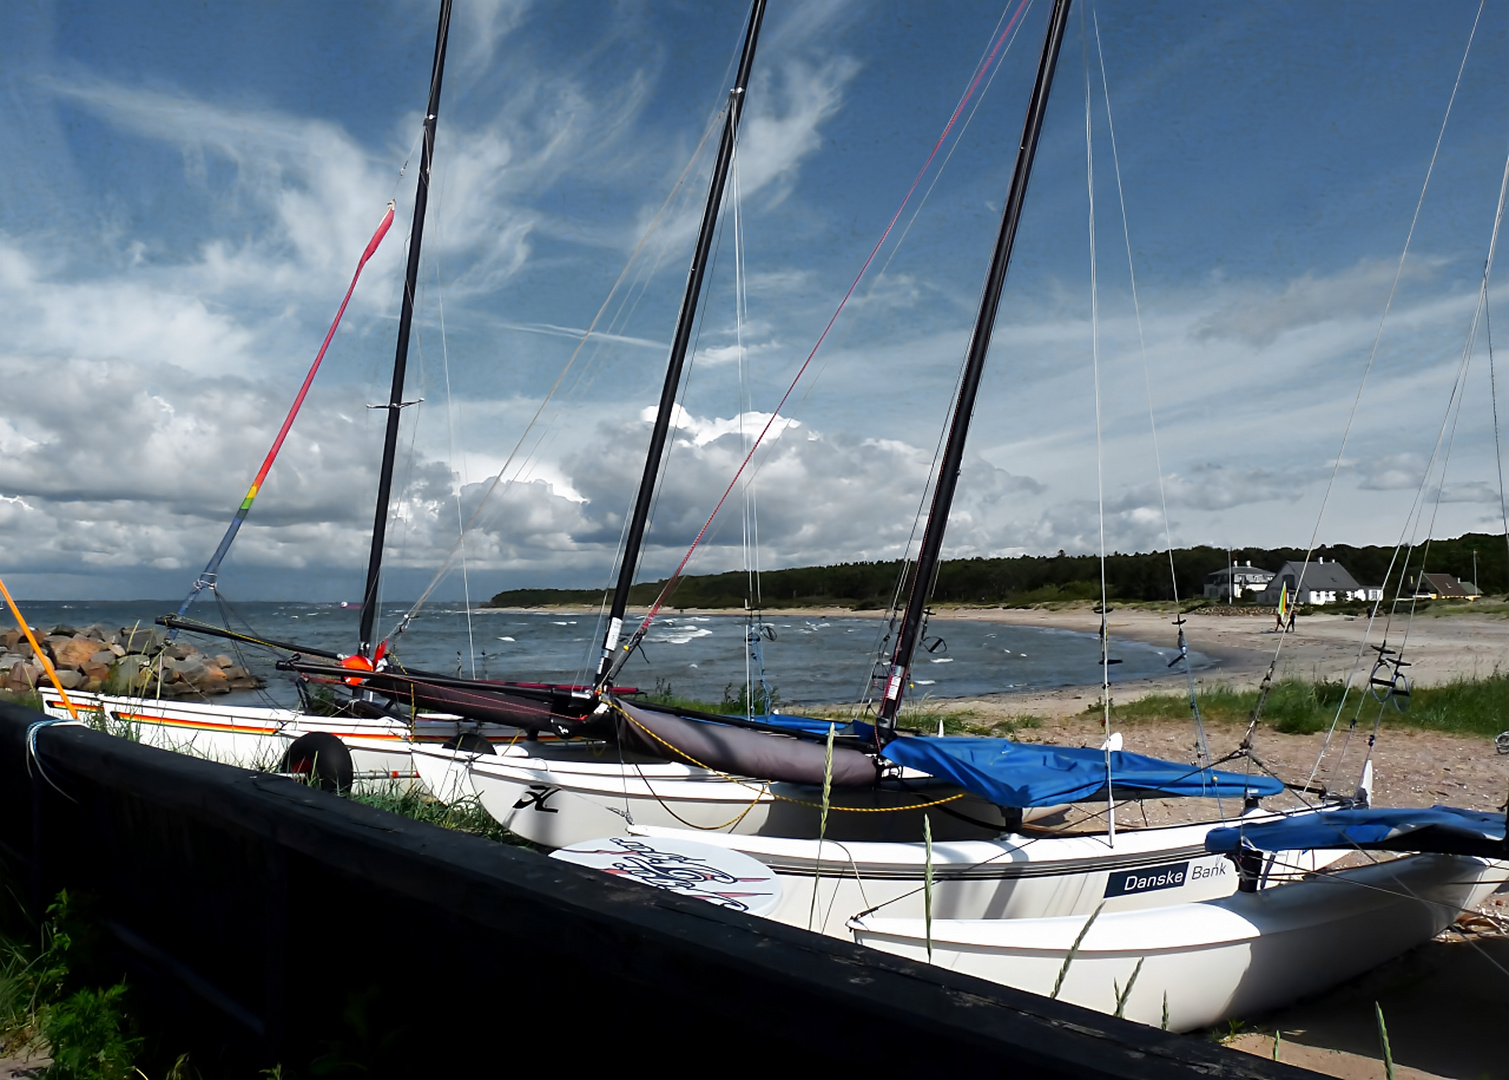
(1323, 583)
(1234, 582)
(1445, 587)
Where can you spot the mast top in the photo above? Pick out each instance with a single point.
(612, 657)
(395, 401)
(969, 383)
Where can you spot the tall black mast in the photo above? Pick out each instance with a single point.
(684, 321)
(979, 346)
(405, 320)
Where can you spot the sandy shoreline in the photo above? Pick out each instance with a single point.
(1440, 648)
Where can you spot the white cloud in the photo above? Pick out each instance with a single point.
(781, 127)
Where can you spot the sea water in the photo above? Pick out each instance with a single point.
(806, 660)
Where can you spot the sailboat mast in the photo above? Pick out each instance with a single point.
(979, 346)
(405, 320)
(634, 539)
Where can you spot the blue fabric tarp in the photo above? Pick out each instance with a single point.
(1443, 829)
(1025, 774)
(807, 725)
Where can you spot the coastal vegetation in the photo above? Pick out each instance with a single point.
(1460, 707)
(1026, 580)
(58, 1000)
(1293, 706)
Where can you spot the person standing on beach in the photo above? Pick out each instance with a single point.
(1283, 606)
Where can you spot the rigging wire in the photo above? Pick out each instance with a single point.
(1024, 7)
(450, 425)
(890, 226)
(1498, 455)
(1202, 744)
(1447, 433)
(1368, 367)
(1100, 489)
(492, 485)
(752, 618)
(1454, 401)
(886, 627)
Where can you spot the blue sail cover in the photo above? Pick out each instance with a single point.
(806, 725)
(1443, 829)
(1025, 774)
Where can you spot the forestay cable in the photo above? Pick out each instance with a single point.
(209, 575)
(1480, 314)
(1100, 487)
(1202, 745)
(864, 268)
(497, 478)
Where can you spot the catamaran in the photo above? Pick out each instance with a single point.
(840, 814)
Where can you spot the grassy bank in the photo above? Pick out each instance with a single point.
(1463, 707)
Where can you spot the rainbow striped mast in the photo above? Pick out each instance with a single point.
(211, 572)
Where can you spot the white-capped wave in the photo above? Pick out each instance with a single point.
(940, 659)
(505, 639)
(680, 635)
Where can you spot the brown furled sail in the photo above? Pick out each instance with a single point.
(739, 751)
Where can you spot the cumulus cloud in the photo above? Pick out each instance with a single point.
(149, 355)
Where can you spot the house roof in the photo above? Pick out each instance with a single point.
(1442, 585)
(1322, 576)
(1247, 572)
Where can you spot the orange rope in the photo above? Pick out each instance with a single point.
(36, 648)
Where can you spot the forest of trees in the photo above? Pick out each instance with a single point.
(1032, 579)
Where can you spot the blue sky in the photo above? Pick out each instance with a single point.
(189, 188)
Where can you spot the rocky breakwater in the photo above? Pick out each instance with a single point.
(132, 660)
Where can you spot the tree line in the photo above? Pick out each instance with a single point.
(1033, 579)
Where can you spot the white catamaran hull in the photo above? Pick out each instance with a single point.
(558, 794)
(1005, 876)
(252, 737)
(1206, 962)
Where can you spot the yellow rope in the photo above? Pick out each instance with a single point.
(766, 788)
(740, 816)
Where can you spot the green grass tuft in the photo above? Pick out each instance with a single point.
(1464, 707)
(464, 815)
(736, 701)
(49, 1003)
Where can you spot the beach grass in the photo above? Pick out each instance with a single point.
(1462, 706)
(736, 700)
(464, 815)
